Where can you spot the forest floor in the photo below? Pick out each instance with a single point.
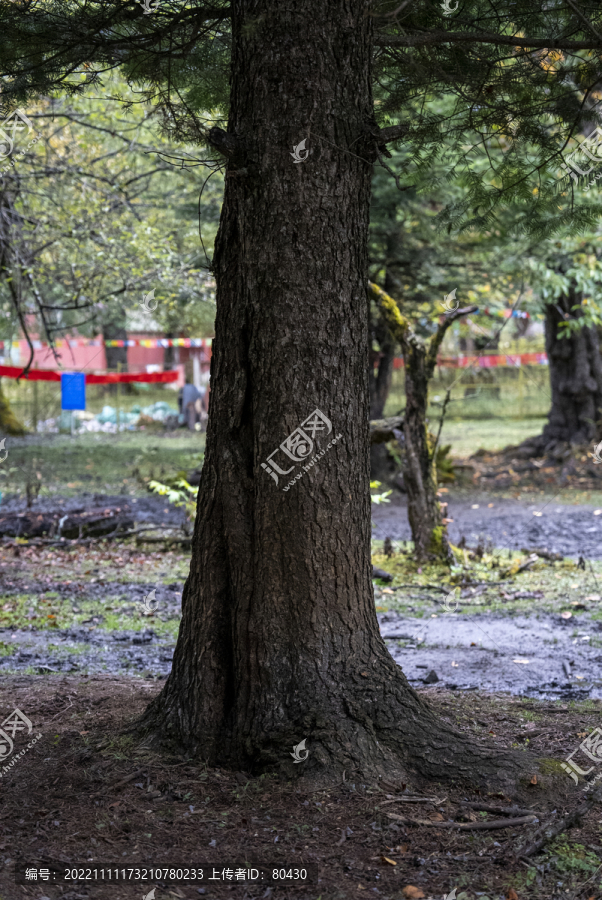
(88, 797)
(83, 650)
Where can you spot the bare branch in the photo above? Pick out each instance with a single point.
(392, 133)
(437, 338)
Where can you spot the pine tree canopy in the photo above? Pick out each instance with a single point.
(457, 81)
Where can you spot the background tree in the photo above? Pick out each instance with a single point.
(421, 263)
(429, 533)
(90, 224)
(567, 276)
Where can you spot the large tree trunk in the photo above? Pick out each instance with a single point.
(279, 640)
(575, 367)
(575, 379)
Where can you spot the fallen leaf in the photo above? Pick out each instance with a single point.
(455, 665)
(387, 591)
(436, 817)
(473, 644)
(523, 661)
(593, 597)
(365, 674)
(387, 860)
(84, 732)
(533, 779)
(537, 514)
(511, 895)
(566, 615)
(115, 803)
(597, 512)
(489, 505)
(412, 893)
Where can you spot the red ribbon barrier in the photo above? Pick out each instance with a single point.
(107, 378)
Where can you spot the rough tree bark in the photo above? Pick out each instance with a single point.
(575, 366)
(429, 533)
(379, 381)
(279, 640)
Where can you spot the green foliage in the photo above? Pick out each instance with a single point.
(180, 493)
(569, 859)
(484, 100)
(379, 498)
(99, 216)
(9, 423)
(444, 465)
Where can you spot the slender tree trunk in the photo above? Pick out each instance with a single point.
(424, 512)
(380, 380)
(575, 366)
(170, 355)
(429, 533)
(279, 640)
(116, 356)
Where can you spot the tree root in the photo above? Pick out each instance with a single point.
(467, 826)
(548, 832)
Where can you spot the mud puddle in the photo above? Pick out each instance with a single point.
(91, 652)
(534, 656)
(95, 645)
(507, 524)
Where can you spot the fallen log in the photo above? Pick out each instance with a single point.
(78, 523)
(86, 541)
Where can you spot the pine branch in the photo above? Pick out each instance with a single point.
(426, 38)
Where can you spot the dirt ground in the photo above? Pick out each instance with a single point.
(62, 802)
(517, 665)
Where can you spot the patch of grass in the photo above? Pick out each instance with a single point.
(569, 859)
(549, 766)
(488, 585)
(116, 463)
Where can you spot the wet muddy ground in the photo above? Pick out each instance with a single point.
(85, 644)
(538, 634)
(534, 656)
(507, 523)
